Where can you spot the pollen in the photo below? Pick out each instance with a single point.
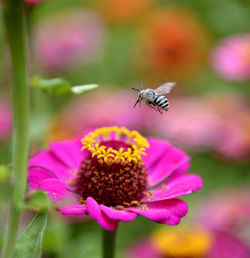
(113, 172)
(110, 154)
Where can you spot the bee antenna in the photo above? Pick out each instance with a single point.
(135, 89)
(142, 85)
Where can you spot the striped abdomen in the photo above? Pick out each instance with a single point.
(161, 101)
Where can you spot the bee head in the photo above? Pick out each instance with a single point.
(141, 95)
(150, 93)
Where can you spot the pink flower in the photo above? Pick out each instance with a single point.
(5, 119)
(192, 123)
(230, 210)
(110, 180)
(231, 58)
(192, 241)
(235, 143)
(234, 111)
(68, 39)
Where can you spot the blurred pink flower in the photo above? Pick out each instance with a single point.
(191, 122)
(192, 242)
(219, 122)
(5, 119)
(101, 108)
(227, 210)
(68, 39)
(235, 142)
(110, 180)
(234, 111)
(231, 58)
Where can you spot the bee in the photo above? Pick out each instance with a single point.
(155, 98)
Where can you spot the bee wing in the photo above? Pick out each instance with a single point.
(165, 88)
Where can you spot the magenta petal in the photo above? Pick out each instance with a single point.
(182, 169)
(173, 161)
(165, 212)
(157, 149)
(121, 215)
(54, 188)
(73, 209)
(69, 152)
(36, 175)
(96, 213)
(177, 209)
(153, 212)
(47, 160)
(177, 186)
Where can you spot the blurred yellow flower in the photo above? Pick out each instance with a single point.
(182, 241)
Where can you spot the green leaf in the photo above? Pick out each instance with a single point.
(50, 86)
(40, 200)
(81, 89)
(29, 244)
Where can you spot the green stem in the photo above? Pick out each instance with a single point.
(108, 244)
(14, 26)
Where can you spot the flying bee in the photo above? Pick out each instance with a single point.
(155, 98)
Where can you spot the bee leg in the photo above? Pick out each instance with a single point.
(159, 110)
(136, 102)
(151, 105)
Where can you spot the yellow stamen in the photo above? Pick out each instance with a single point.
(109, 155)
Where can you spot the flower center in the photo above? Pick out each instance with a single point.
(113, 172)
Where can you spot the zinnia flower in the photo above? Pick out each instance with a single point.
(193, 123)
(231, 58)
(234, 110)
(190, 241)
(68, 39)
(230, 209)
(106, 176)
(174, 40)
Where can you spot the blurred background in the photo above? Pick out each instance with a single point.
(204, 46)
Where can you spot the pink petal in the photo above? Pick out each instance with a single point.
(177, 186)
(36, 175)
(96, 213)
(174, 161)
(121, 215)
(153, 211)
(177, 209)
(165, 212)
(47, 160)
(157, 149)
(73, 209)
(69, 152)
(54, 188)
